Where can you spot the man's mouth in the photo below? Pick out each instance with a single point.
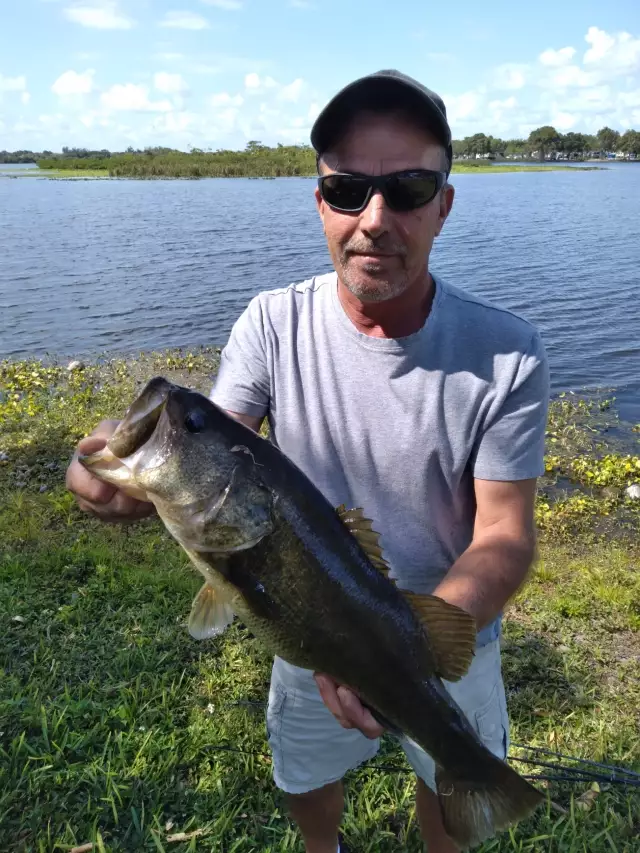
(374, 255)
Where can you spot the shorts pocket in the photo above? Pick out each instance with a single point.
(275, 714)
(491, 722)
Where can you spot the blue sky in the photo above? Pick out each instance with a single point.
(216, 73)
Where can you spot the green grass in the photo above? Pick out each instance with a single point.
(474, 167)
(112, 718)
(56, 174)
(471, 168)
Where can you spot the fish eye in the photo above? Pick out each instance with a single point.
(195, 421)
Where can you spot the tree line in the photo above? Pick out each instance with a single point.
(547, 140)
(258, 160)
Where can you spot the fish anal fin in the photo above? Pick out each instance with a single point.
(211, 614)
(362, 529)
(451, 632)
(474, 811)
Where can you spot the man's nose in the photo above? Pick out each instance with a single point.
(375, 217)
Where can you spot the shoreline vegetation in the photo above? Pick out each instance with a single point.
(194, 167)
(545, 149)
(121, 731)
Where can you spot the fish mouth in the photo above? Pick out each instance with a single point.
(134, 431)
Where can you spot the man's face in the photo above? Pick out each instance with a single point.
(379, 253)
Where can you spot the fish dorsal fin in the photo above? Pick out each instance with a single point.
(362, 528)
(451, 632)
(210, 615)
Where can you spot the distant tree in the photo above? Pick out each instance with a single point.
(479, 144)
(630, 142)
(544, 139)
(516, 146)
(608, 140)
(575, 143)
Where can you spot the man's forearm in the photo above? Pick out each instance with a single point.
(487, 575)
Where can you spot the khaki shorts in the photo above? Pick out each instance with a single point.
(311, 749)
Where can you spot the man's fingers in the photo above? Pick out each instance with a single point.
(347, 708)
(329, 694)
(91, 444)
(120, 508)
(86, 487)
(357, 714)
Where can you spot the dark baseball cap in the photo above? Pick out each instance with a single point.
(387, 88)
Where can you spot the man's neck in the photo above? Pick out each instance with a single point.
(394, 318)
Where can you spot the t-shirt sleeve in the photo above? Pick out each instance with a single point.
(243, 384)
(510, 445)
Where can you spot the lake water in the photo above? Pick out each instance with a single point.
(120, 266)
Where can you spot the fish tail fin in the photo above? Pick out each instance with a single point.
(475, 810)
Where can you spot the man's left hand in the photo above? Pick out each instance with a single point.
(346, 707)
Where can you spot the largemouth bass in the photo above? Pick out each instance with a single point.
(310, 581)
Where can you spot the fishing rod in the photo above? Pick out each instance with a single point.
(605, 773)
(542, 751)
(568, 776)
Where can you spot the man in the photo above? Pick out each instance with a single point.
(399, 393)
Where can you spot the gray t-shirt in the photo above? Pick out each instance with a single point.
(399, 427)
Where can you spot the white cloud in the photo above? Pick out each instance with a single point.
(571, 75)
(510, 76)
(72, 83)
(293, 91)
(601, 44)
(465, 106)
(174, 122)
(563, 121)
(229, 5)
(554, 84)
(559, 87)
(184, 21)
(226, 120)
(225, 99)
(103, 15)
(258, 85)
(25, 98)
(169, 84)
(267, 110)
(557, 57)
(13, 84)
(630, 99)
(619, 52)
(131, 97)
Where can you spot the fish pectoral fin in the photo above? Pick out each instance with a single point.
(475, 810)
(211, 614)
(451, 632)
(362, 528)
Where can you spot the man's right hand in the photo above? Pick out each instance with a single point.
(95, 496)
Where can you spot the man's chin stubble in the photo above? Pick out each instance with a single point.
(380, 292)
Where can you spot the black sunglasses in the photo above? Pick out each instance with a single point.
(402, 191)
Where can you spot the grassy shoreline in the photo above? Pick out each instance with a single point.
(104, 174)
(115, 723)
